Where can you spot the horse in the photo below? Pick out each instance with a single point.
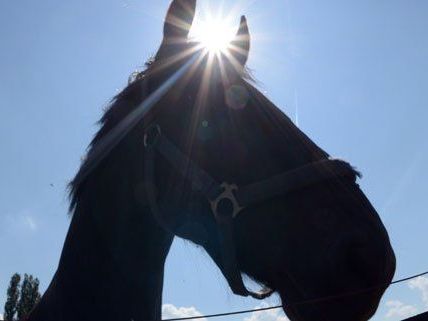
(191, 148)
(419, 317)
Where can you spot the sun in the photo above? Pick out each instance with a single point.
(214, 34)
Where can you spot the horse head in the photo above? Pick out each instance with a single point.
(215, 162)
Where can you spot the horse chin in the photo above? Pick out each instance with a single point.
(358, 307)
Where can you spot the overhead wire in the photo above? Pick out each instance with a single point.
(310, 301)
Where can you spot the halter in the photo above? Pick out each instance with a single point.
(228, 200)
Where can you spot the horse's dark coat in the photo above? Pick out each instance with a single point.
(419, 317)
(311, 243)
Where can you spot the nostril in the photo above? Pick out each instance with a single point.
(375, 263)
(364, 262)
(352, 255)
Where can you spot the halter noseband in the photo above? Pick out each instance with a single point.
(228, 200)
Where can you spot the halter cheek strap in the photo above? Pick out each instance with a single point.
(228, 200)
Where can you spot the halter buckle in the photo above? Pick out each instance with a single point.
(226, 195)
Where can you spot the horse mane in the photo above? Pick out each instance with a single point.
(118, 108)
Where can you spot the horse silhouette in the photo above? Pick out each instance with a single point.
(191, 148)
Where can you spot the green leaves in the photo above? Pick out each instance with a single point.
(12, 298)
(21, 298)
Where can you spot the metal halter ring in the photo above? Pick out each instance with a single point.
(152, 135)
(228, 195)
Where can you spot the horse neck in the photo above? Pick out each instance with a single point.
(106, 274)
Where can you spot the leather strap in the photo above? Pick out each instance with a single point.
(207, 186)
(201, 181)
(301, 177)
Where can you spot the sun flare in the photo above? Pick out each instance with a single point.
(213, 34)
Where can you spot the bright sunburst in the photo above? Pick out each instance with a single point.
(214, 34)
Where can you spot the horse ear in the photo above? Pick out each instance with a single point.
(179, 19)
(240, 46)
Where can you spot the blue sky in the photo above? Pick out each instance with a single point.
(356, 73)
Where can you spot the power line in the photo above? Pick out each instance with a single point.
(318, 300)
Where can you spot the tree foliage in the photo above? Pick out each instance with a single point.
(29, 296)
(21, 298)
(12, 298)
